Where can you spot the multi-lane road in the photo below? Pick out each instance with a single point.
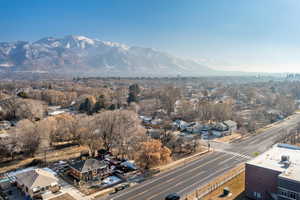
(190, 176)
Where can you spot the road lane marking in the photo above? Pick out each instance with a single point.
(168, 181)
(163, 175)
(186, 180)
(234, 153)
(180, 191)
(261, 136)
(196, 183)
(176, 177)
(226, 160)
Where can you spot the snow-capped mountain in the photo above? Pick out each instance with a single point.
(79, 55)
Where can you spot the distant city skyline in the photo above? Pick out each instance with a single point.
(256, 36)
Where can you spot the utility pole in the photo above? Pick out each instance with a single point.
(208, 144)
(45, 157)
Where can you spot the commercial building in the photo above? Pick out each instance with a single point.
(274, 174)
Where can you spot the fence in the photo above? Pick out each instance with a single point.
(215, 183)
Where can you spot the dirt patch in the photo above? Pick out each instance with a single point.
(103, 193)
(217, 185)
(63, 197)
(236, 187)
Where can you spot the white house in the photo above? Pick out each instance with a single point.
(232, 125)
(37, 181)
(194, 127)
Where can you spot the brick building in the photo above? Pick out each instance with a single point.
(274, 174)
(89, 169)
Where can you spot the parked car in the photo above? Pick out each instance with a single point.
(121, 187)
(172, 196)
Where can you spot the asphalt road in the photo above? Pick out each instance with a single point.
(190, 176)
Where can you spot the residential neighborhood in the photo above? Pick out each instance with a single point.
(98, 146)
(149, 100)
(85, 176)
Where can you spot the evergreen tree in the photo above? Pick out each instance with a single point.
(86, 106)
(133, 95)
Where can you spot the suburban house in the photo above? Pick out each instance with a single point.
(274, 174)
(5, 138)
(274, 115)
(220, 127)
(231, 125)
(217, 133)
(4, 125)
(227, 125)
(194, 127)
(36, 182)
(154, 133)
(146, 120)
(181, 125)
(156, 121)
(90, 169)
(128, 166)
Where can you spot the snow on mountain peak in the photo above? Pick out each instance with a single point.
(115, 44)
(80, 54)
(85, 39)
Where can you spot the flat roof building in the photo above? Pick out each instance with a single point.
(274, 174)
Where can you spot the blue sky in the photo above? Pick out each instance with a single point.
(254, 35)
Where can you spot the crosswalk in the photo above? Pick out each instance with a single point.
(234, 154)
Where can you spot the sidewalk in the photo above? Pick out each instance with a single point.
(181, 161)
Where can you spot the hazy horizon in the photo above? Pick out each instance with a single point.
(251, 36)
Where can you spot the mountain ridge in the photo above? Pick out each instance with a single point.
(80, 55)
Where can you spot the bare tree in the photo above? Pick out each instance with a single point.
(9, 146)
(30, 137)
(89, 135)
(222, 111)
(168, 96)
(29, 109)
(129, 132)
(106, 124)
(63, 129)
(285, 104)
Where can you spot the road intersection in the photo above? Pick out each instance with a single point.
(188, 177)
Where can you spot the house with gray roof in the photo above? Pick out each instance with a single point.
(37, 181)
(90, 169)
(231, 125)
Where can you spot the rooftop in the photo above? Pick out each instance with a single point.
(292, 173)
(65, 196)
(36, 178)
(88, 165)
(230, 123)
(272, 159)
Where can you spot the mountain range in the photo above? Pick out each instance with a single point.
(80, 55)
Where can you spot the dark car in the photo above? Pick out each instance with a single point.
(121, 187)
(172, 196)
